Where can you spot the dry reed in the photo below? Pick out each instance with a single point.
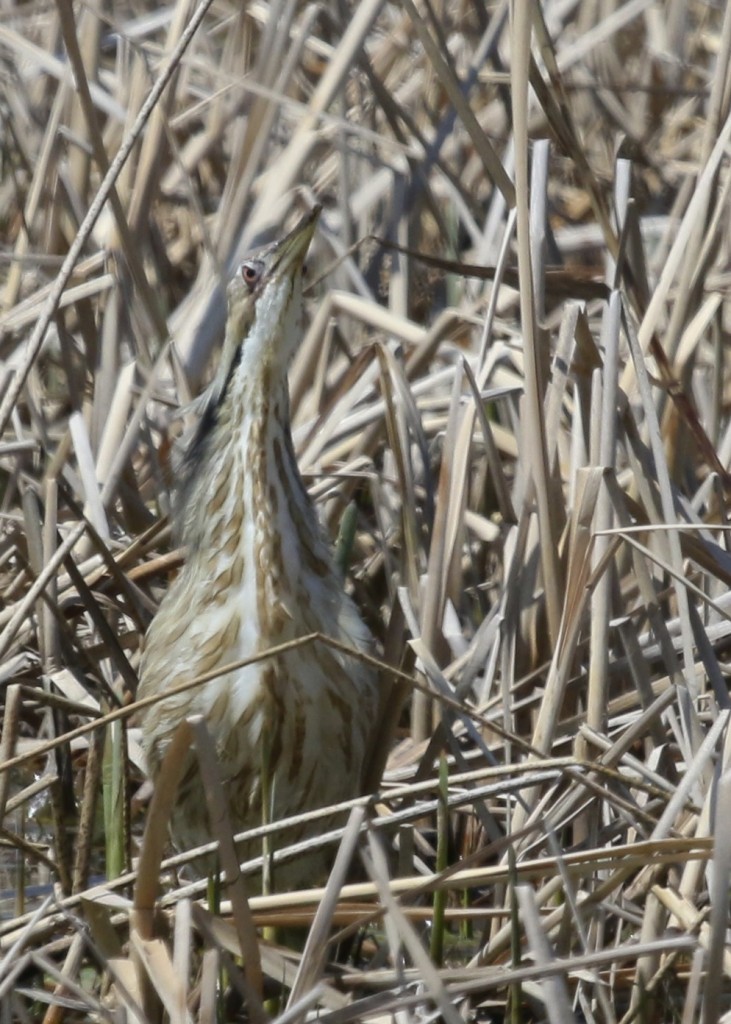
(514, 389)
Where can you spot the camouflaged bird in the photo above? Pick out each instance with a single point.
(257, 573)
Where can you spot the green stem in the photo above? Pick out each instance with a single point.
(440, 896)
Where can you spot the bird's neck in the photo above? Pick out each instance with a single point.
(250, 497)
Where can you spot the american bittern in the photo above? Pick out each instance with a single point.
(258, 573)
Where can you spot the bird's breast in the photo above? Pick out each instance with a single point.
(258, 576)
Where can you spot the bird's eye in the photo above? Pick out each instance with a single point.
(251, 272)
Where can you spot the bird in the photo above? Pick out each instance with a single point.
(293, 730)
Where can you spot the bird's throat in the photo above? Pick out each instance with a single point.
(252, 516)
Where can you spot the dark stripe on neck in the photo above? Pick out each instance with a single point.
(197, 451)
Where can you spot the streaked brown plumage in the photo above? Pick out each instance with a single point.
(258, 573)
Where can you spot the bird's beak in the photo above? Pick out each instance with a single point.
(291, 251)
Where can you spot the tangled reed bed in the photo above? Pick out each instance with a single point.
(514, 382)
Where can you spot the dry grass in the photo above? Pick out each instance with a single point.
(516, 378)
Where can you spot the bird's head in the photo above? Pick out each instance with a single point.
(265, 301)
(262, 333)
